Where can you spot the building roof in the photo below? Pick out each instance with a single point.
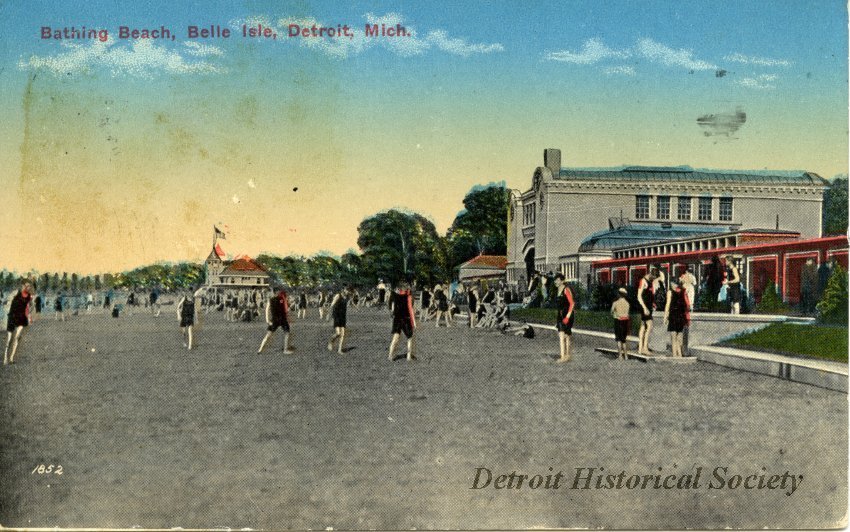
(494, 262)
(632, 235)
(688, 174)
(244, 266)
(214, 254)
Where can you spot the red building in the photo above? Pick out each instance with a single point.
(762, 256)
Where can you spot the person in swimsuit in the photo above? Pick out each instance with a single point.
(442, 302)
(339, 307)
(424, 304)
(733, 285)
(382, 292)
(404, 319)
(473, 306)
(646, 300)
(676, 316)
(186, 317)
(18, 318)
(566, 316)
(59, 307)
(620, 313)
(302, 305)
(277, 317)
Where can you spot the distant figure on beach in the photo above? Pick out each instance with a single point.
(277, 317)
(566, 316)
(38, 305)
(473, 301)
(442, 302)
(382, 292)
(59, 307)
(676, 316)
(302, 305)
(424, 303)
(404, 320)
(338, 310)
(186, 317)
(323, 301)
(155, 306)
(620, 313)
(89, 303)
(19, 313)
(646, 300)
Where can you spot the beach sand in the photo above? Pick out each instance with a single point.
(149, 434)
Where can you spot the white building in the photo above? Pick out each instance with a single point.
(570, 217)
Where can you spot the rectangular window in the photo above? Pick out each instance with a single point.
(663, 208)
(642, 207)
(725, 209)
(684, 212)
(704, 212)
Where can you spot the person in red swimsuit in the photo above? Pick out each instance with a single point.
(404, 320)
(19, 317)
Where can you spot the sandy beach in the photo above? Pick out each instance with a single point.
(149, 434)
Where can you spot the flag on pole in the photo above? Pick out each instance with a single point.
(219, 233)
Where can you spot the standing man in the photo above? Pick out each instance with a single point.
(473, 305)
(277, 316)
(620, 313)
(566, 316)
(646, 300)
(186, 317)
(339, 308)
(19, 312)
(404, 320)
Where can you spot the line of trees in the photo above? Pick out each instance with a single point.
(394, 245)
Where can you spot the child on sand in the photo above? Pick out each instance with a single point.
(620, 313)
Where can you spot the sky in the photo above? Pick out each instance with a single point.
(122, 152)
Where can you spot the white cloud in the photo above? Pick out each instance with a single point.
(753, 60)
(341, 47)
(143, 58)
(441, 40)
(763, 82)
(621, 70)
(591, 52)
(197, 49)
(660, 53)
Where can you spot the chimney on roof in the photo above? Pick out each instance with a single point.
(552, 161)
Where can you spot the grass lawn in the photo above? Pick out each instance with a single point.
(595, 320)
(817, 341)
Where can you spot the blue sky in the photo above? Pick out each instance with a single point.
(220, 130)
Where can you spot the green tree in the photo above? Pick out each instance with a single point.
(482, 226)
(835, 206)
(832, 307)
(397, 245)
(770, 302)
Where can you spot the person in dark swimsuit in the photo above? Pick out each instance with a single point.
(676, 316)
(19, 317)
(302, 305)
(339, 308)
(647, 300)
(425, 304)
(404, 320)
(733, 285)
(442, 302)
(566, 317)
(277, 317)
(186, 315)
(473, 306)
